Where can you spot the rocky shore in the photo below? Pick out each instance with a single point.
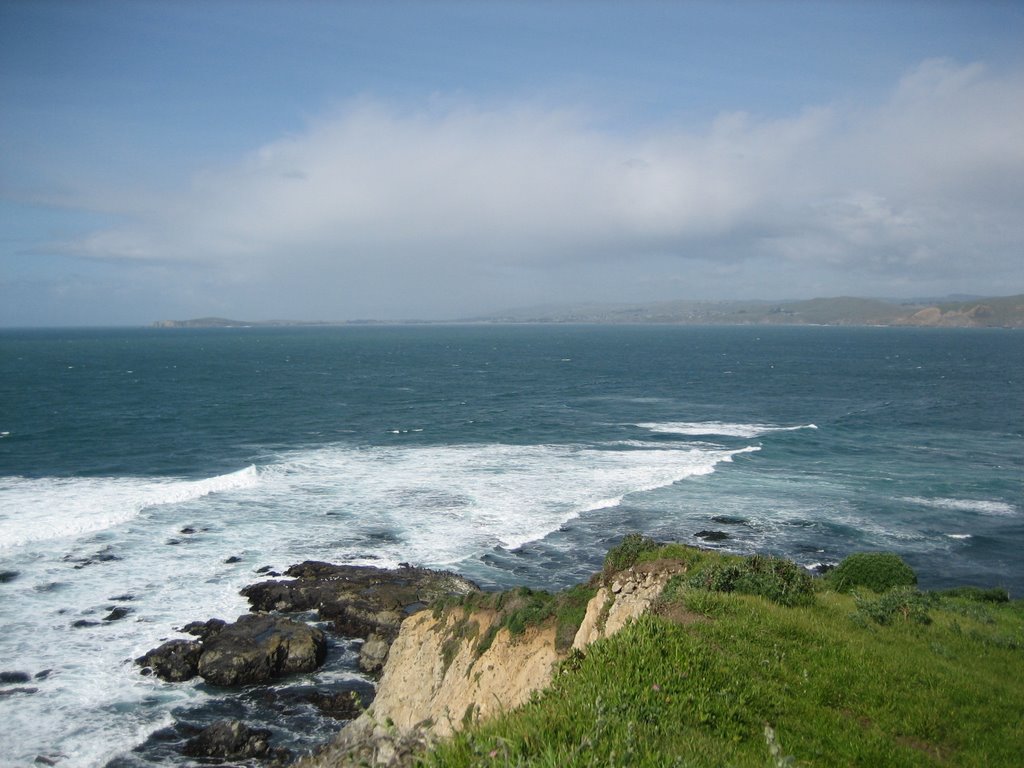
(287, 633)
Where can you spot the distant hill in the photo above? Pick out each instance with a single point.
(1005, 312)
(992, 312)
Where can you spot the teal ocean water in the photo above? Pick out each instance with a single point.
(512, 454)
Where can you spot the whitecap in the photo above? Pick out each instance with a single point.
(443, 504)
(42, 509)
(725, 429)
(980, 506)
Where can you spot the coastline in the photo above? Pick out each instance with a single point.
(462, 659)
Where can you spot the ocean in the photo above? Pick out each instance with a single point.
(135, 463)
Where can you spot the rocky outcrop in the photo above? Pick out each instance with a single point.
(234, 740)
(360, 601)
(436, 680)
(255, 649)
(174, 661)
(629, 594)
(258, 648)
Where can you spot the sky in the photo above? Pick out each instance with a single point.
(441, 160)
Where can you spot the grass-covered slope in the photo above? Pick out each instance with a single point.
(720, 675)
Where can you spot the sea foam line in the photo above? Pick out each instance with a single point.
(981, 506)
(725, 429)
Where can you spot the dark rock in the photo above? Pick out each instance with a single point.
(14, 677)
(105, 555)
(44, 760)
(175, 660)
(173, 542)
(43, 674)
(712, 535)
(187, 531)
(122, 598)
(232, 740)
(6, 576)
(51, 586)
(360, 600)
(11, 691)
(204, 630)
(729, 520)
(233, 559)
(258, 648)
(117, 613)
(81, 623)
(337, 704)
(264, 569)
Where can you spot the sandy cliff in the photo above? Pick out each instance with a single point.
(436, 679)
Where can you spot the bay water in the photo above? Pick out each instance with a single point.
(157, 470)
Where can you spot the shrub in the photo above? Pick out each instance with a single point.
(878, 571)
(778, 580)
(904, 603)
(629, 550)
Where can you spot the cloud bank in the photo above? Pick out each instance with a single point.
(454, 208)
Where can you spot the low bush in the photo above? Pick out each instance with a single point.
(877, 571)
(781, 581)
(628, 552)
(901, 603)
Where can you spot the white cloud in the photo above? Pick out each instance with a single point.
(374, 201)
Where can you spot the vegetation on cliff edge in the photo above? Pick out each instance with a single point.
(721, 677)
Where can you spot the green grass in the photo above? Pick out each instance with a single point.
(836, 686)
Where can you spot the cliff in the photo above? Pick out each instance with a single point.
(463, 666)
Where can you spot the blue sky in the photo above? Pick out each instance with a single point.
(434, 160)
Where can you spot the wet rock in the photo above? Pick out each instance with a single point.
(105, 555)
(233, 559)
(12, 691)
(7, 678)
(175, 660)
(188, 531)
(52, 586)
(258, 648)
(44, 760)
(360, 600)
(43, 674)
(82, 623)
(204, 630)
(126, 598)
(712, 535)
(729, 520)
(7, 576)
(337, 704)
(233, 740)
(117, 614)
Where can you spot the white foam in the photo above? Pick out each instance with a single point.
(39, 509)
(441, 504)
(725, 429)
(980, 506)
(958, 535)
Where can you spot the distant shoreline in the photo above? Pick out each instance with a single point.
(987, 312)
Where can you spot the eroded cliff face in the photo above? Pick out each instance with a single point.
(436, 680)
